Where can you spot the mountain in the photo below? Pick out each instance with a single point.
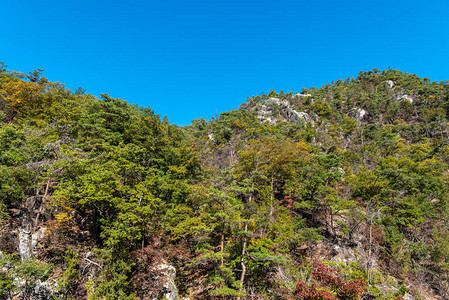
(338, 192)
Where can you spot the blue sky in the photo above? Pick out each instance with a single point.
(189, 59)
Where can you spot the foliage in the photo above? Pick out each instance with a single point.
(239, 199)
(69, 279)
(328, 284)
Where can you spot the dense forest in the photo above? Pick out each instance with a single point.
(338, 192)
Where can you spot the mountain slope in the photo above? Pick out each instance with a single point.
(335, 192)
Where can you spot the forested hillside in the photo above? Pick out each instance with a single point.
(338, 192)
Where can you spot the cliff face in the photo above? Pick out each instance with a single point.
(339, 192)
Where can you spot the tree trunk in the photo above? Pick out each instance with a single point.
(242, 261)
(369, 250)
(26, 230)
(222, 247)
(272, 199)
(332, 223)
(36, 220)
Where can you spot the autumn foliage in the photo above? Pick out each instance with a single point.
(18, 93)
(329, 284)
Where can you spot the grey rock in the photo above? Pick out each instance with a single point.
(360, 113)
(40, 290)
(390, 83)
(277, 101)
(37, 236)
(298, 95)
(300, 116)
(167, 269)
(25, 244)
(407, 98)
(170, 290)
(266, 112)
(44, 291)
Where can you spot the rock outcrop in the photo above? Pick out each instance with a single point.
(407, 98)
(390, 83)
(170, 291)
(298, 95)
(360, 113)
(275, 110)
(44, 290)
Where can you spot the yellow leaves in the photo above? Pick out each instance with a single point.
(180, 170)
(272, 155)
(65, 212)
(430, 166)
(62, 221)
(63, 217)
(60, 201)
(240, 124)
(303, 148)
(19, 93)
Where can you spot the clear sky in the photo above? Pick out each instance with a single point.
(189, 59)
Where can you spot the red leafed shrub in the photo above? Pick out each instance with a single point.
(329, 284)
(352, 289)
(312, 292)
(146, 280)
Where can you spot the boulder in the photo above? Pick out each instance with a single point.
(360, 113)
(44, 290)
(299, 117)
(407, 98)
(38, 290)
(390, 83)
(37, 236)
(170, 291)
